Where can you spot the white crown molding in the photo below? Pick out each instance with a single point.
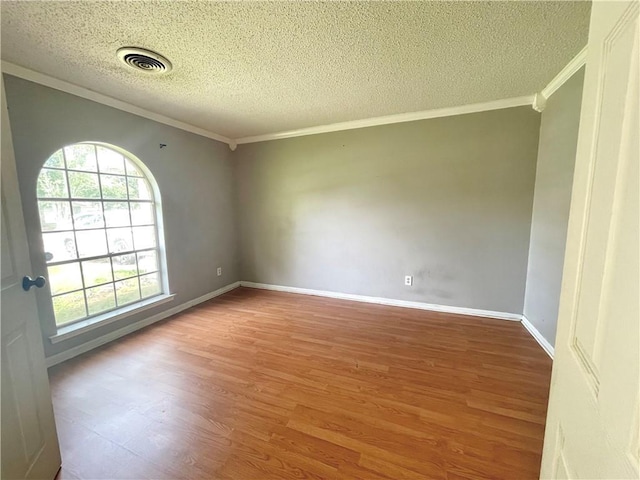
(121, 332)
(389, 119)
(566, 73)
(539, 102)
(535, 333)
(516, 317)
(52, 82)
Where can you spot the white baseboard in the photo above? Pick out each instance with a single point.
(388, 301)
(547, 347)
(85, 347)
(516, 317)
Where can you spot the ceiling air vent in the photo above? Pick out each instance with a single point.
(144, 60)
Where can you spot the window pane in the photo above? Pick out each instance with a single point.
(144, 237)
(117, 214)
(113, 186)
(91, 243)
(55, 216)
(110, 161)
(96, 203)
(139, 189)
(84, 185)
(150, 285)
(127, 291)
(100, 299)
(148, 261)
(65, 278)
(87, 215)
(96, 272)
(142, 214)
(59, 246)
(69, 307)
(81, 157)
(52, 184)
(124, 266)
(119, 239)
(132, 170)
(55, 161)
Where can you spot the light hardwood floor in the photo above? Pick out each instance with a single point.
(258, 384)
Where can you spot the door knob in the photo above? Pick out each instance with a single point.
(28, 282)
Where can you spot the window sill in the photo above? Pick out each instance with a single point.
(70, 331)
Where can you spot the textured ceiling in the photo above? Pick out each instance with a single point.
(249, 68)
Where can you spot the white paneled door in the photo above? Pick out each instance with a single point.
(29, 444)
(592, 424)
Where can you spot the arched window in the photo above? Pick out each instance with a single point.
(99, 229)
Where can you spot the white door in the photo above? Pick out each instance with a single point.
(592, 424)
(29, 444)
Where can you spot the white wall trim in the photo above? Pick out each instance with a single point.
(546, 346)
(64, 86)
(90, 345)
(566, 73)
(388, 301)
(52, 82)
(572, 67)
(389, 119)
(539, 102)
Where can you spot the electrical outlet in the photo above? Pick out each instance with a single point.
(219, 271)
(408, 280)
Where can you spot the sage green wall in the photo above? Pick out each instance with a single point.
(446, 200)
(554, 178)
(194, 174)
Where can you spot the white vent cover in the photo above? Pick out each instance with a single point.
(144, 60)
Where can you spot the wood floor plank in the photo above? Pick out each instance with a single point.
(257, 384)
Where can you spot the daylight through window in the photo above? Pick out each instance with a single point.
(98, 220)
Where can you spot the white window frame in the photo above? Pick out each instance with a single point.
(89, 322)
